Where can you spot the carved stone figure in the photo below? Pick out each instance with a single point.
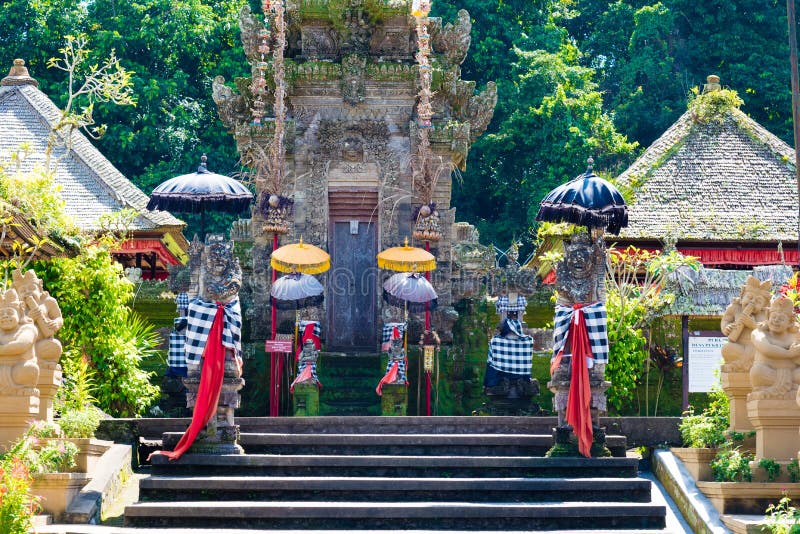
(319, 42)
(45, 313)
(222, 277)
(353, 75)
(775, 373)
(741, 317)
(581, 274)
(453, 40)
(307, 364)
(772, 406)
(397, 355)
(19, 370)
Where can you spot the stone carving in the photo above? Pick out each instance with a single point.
(19, 370)
(775, 373)
(353, 73)
(222, 277)
(319, 42)
(391, 42)
(481, 110)
(741, 317)
(453, 40)
(357, 29)
(581, 274)
(307, 364)
(232, 107)
(397, 355)
(249, 27)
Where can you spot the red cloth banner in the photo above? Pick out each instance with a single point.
(209, 389)
(580, 393)
(388, 378)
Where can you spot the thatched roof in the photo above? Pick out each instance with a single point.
(707, 292)
(723, 178)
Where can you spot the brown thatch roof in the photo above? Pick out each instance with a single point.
(725, 179)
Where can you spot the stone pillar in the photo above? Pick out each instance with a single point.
(50, 377)
(221, 435)
(305, 400)
(394, 399)
(16, 413)
(776, 422)
(736, 387)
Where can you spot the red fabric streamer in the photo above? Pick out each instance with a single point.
(388, 378)
(209, 389)
(304, 376)
(308, 333)
(580, 393)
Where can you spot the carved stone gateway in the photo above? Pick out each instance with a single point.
(351, 85)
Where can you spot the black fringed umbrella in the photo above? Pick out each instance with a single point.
(588, 200)
(199, 192)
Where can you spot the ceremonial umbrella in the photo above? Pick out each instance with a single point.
(588, 200)
(296, 291)
(300, 257)
(406, 259)
(199, 192)
(410, 291)
(296, 258)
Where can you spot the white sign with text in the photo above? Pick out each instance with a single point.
(705, 358)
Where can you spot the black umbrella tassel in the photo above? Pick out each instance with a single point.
(613, 218)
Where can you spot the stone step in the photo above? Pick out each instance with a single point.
(397, 425)
(394, 489)
(394, 466)
(397, 444)
(396, 515)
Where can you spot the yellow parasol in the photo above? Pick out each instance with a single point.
(300, 257)
(406, 259)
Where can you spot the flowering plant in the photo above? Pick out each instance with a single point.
(791, 291)
(17, 504)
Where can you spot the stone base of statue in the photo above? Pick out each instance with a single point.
(50, 377)
(16, 414)
(305, 399)
(776, 422)
(512, 398)
(221, 435)
(559, 384)
(736, 387)
(565, 444)
(394, 399)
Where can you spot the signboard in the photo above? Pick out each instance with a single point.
(705, 358)
(278, 345)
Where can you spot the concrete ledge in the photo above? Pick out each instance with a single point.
(697, 510)
(108, 478)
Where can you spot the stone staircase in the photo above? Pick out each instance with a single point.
(349, 382)
(400, 473)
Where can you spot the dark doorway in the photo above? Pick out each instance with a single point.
(352, 286)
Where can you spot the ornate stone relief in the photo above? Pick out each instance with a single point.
(353, 72)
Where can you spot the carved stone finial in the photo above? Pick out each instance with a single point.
(18, 75)
(712, 84)
(202, 168)
(589, 165)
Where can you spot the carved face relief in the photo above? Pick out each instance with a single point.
(29, 289)
(9, 318)
(579, 261)
(778, 321)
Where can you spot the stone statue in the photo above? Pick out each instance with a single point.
(775, 373)
(397, 355)
(741, 317)
(307, 364)
(580, 280)
(221, 278)
(19, 370)
(453, 40)
(43, 310)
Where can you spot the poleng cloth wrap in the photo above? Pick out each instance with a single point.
(200, 318)
(511, 355)
(596, 327)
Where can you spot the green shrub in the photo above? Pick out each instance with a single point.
(80, 423)
(57, 456)
(782, 518)
(772, 468)
(732, 465)
(45, 430)
(794, 470)
(17, 504)
(708, 428)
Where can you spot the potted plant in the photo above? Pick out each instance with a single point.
(18, 504)
(702, 434)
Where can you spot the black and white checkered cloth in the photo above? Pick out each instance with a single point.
(182, 302)
(176, 353)
(317, 328)
(503, 304)
(386, 334)
(201, 317)
(511, 355)
(596, 325)
(401, 369)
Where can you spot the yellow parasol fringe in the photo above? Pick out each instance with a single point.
(316, 268)
(404, 266)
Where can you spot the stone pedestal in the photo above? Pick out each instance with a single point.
(173, 397)
(776, 422)
(221, 435)
(737, 386)
(394, 399)
(16, 413)
(509, 398)
(49, 381)
(305, 400)
(559, 385)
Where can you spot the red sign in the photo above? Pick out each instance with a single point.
(278, 346)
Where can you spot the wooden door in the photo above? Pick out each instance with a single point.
(352, 286)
